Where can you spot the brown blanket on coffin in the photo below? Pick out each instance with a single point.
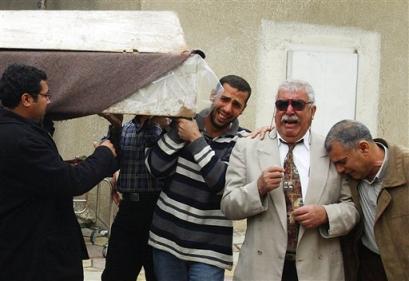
(85, 83)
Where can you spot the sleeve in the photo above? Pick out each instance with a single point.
(342, 216)
(212, 168)
(241, 198)
(161, 158)
(152, 133)
(53, 176)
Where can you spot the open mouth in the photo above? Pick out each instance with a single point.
(222, 117)
(290, 121)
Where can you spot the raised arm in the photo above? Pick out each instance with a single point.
(241, 198)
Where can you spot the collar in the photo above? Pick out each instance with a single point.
(305, 140)
(382, 170)
(10, 114)
(397, 166)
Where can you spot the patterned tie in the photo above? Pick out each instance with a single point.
(293, 197)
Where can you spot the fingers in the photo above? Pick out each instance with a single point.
(310, 216)
(270, 179)
(260, 133)
(187, 129)
(108, 144)
(116, 198)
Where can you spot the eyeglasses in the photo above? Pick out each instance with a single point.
(297, 105)
(47, 96)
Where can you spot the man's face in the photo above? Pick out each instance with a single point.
(291, 122)
(227, 106)
(39, 106)
(351, 162)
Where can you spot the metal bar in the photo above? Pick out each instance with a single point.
(42, 4)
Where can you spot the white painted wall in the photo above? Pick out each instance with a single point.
(278, 39)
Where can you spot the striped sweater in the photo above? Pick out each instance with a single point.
(187, 221)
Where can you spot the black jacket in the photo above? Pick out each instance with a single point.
(40, 238)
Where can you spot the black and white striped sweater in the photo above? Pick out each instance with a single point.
(187, 220)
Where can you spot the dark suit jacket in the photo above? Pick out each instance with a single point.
(40, 238)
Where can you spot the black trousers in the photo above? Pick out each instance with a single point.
(371, 267)
(289, 271)
(128, 249)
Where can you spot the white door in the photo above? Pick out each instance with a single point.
(333, 75)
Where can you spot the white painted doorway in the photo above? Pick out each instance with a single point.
(333, 75)
(341, 63)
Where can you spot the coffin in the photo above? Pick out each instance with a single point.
(130, 62)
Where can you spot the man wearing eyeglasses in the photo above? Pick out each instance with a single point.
(295, 203)
(40, 238)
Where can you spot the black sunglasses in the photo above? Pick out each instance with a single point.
(297, 105)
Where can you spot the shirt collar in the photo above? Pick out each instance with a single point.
(305, 140)
(382, 170)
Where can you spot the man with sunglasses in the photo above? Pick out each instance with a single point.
(40, 238)
(295, 202)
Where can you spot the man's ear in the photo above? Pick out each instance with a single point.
(363, 146)
(212, 95)
(26, 100)
(313, 110)
(243, 109)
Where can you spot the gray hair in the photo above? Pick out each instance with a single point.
(297, 85)
(348, 133)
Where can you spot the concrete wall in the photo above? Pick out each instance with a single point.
(228, 32)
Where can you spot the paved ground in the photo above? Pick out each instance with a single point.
(94, 266)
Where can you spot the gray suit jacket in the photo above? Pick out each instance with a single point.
(262, 254)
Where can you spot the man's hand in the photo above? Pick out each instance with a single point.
(162, 121)
(108, 144)
(116, 198)
(310, 216)
(260, 132)
(269, 179)
(114, 119)
(188, 129)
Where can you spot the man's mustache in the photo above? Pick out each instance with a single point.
(290, 118)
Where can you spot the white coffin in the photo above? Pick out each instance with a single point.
(116, 31)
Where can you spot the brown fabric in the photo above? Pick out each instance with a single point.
(392, 220)
(293, 197)
(85, 83)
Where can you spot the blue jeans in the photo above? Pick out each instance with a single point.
(167, 267)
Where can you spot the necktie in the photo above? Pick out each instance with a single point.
(293, 197)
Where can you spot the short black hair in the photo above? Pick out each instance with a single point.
(18, 79)
(238, 83)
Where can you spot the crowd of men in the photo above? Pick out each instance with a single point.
(334, 208)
